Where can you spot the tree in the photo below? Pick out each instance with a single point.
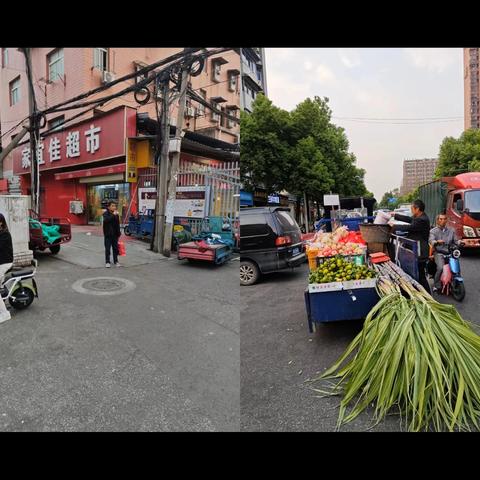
(264, 146)
(459, 155)
(311, 174)
(385, 201)
(300, 151)
(312, 119)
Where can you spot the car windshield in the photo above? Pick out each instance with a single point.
(472, 201)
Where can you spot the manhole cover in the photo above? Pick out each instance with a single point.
(103, 286)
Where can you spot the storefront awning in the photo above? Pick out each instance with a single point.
(92, 172)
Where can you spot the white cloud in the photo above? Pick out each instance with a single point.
(433, 59)
(349, 57)
(308, 65)
(324, 74)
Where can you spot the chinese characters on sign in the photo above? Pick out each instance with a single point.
(92, 144)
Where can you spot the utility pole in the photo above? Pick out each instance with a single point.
(162, 169)
(32, 108)
(172, 185)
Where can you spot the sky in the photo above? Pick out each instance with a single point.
(366, 84)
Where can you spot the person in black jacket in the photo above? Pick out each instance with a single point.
(6, 261)
(419, 229)
(111, 232)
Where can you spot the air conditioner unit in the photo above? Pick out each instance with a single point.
(108, 77)
(76, 207)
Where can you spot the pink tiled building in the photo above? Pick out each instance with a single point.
(60, 74)
(90, 177)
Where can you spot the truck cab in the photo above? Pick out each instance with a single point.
(463, 207)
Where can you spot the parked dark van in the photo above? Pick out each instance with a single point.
(270, 241)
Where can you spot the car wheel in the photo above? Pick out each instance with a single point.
(249, 273)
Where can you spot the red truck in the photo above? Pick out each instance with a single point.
(459, 198)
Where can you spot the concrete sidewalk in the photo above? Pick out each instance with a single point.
(86, 249)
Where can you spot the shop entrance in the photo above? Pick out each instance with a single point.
(98, 197)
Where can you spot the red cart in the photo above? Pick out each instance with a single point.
(38, 242)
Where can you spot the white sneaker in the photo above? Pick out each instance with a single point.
(107, 265)
(117, 265)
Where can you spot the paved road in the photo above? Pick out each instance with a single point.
(164, 356)
(278, 354)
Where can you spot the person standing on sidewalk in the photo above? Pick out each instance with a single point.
(111, 232)
(6, 262)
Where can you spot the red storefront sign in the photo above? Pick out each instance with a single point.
(91, 172)
(89, 141)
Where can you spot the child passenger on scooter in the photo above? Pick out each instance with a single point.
(6, 261)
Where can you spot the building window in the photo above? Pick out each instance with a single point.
(143, 76)
(55, 65)
(201, 108)
(216, 71)
(232, 112)
(232, 82)
(215, 116)
(4, 57)
(15, 91)
(100, 58)
(56, 123)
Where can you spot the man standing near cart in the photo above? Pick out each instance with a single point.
(111, 232)
(419, 230)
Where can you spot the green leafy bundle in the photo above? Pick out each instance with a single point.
(413, 356)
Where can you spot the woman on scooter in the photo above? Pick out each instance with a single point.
(6, 261)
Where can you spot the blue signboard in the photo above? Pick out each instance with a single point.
(246, 199)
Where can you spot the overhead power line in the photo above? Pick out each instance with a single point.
(398, 118)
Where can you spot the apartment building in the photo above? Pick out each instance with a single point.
(253, 76)
(85, 160)
(416, 173)
(471, 87)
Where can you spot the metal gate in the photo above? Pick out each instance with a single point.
(222, 190)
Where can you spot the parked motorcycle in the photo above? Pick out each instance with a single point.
(452, 280)
(19, 287)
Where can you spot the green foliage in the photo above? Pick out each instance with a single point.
(300, 151)
(265, 146)
(459, 155)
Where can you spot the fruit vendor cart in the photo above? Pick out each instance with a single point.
(344, 301)
(340, 300)
(341, 287)
(214, 244)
